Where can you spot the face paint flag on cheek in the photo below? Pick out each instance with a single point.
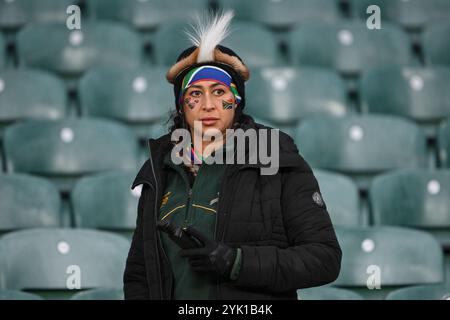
(209, 73)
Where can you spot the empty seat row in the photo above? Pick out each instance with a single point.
(65, 150)
(377, 256)
(416, 198)
(102, 201)
(424, 292)
(361, 146)
(347, 46)
(139, 96)
(16, 13)
(144, 15)
(71, 52)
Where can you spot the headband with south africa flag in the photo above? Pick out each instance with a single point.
(210, 73)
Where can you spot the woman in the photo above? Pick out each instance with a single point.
(258, 236)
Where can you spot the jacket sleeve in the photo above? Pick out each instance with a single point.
(314, 255)
(135, 279)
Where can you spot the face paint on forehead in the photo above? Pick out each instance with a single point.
(191, 102)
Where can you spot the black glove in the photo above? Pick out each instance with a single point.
(214, 256)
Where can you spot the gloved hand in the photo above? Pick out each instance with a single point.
(214, 256)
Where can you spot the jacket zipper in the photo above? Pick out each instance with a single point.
(188, 207)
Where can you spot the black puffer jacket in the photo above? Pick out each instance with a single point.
(279, 221)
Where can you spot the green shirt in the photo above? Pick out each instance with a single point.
(187, 205)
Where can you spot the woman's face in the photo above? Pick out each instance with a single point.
(211, 103)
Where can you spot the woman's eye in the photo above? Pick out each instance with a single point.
(218, 92)
(195, 93)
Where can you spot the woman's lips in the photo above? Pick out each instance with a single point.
(209, 121)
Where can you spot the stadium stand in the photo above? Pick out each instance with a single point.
(353, 145)
(28, 202)
(65, 150)
(420, 94)
(349, 46)
(387, 258)
(359, 103)
(30, 94)
(136, 96)
(40, 261)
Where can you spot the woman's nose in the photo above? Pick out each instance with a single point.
(208, 103)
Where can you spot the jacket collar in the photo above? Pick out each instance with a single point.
(158, 148)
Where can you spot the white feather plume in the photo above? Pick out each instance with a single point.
(209, 31)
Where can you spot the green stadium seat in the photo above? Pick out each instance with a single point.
(349, 47)
(387, 258)
(137, 96)
(99, 294)
(327, 293)
(166, 52)
(30, 94)
(361, 146)
(71, 52)
(286, 95)
(55, 263)
(18, 295)
(65, 150)
(444, 144)
(145, 15)
(27, 202)
(413, 198)
(284, 14)
(435, 48)
(2, 52)
(411, 14)
(242, 38)
(427, 292)
(14, 14)
(104, 201)
(341, 197)
(420, 94)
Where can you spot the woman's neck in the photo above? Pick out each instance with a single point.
(206, 147)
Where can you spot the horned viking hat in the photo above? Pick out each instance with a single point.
(208, 33)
